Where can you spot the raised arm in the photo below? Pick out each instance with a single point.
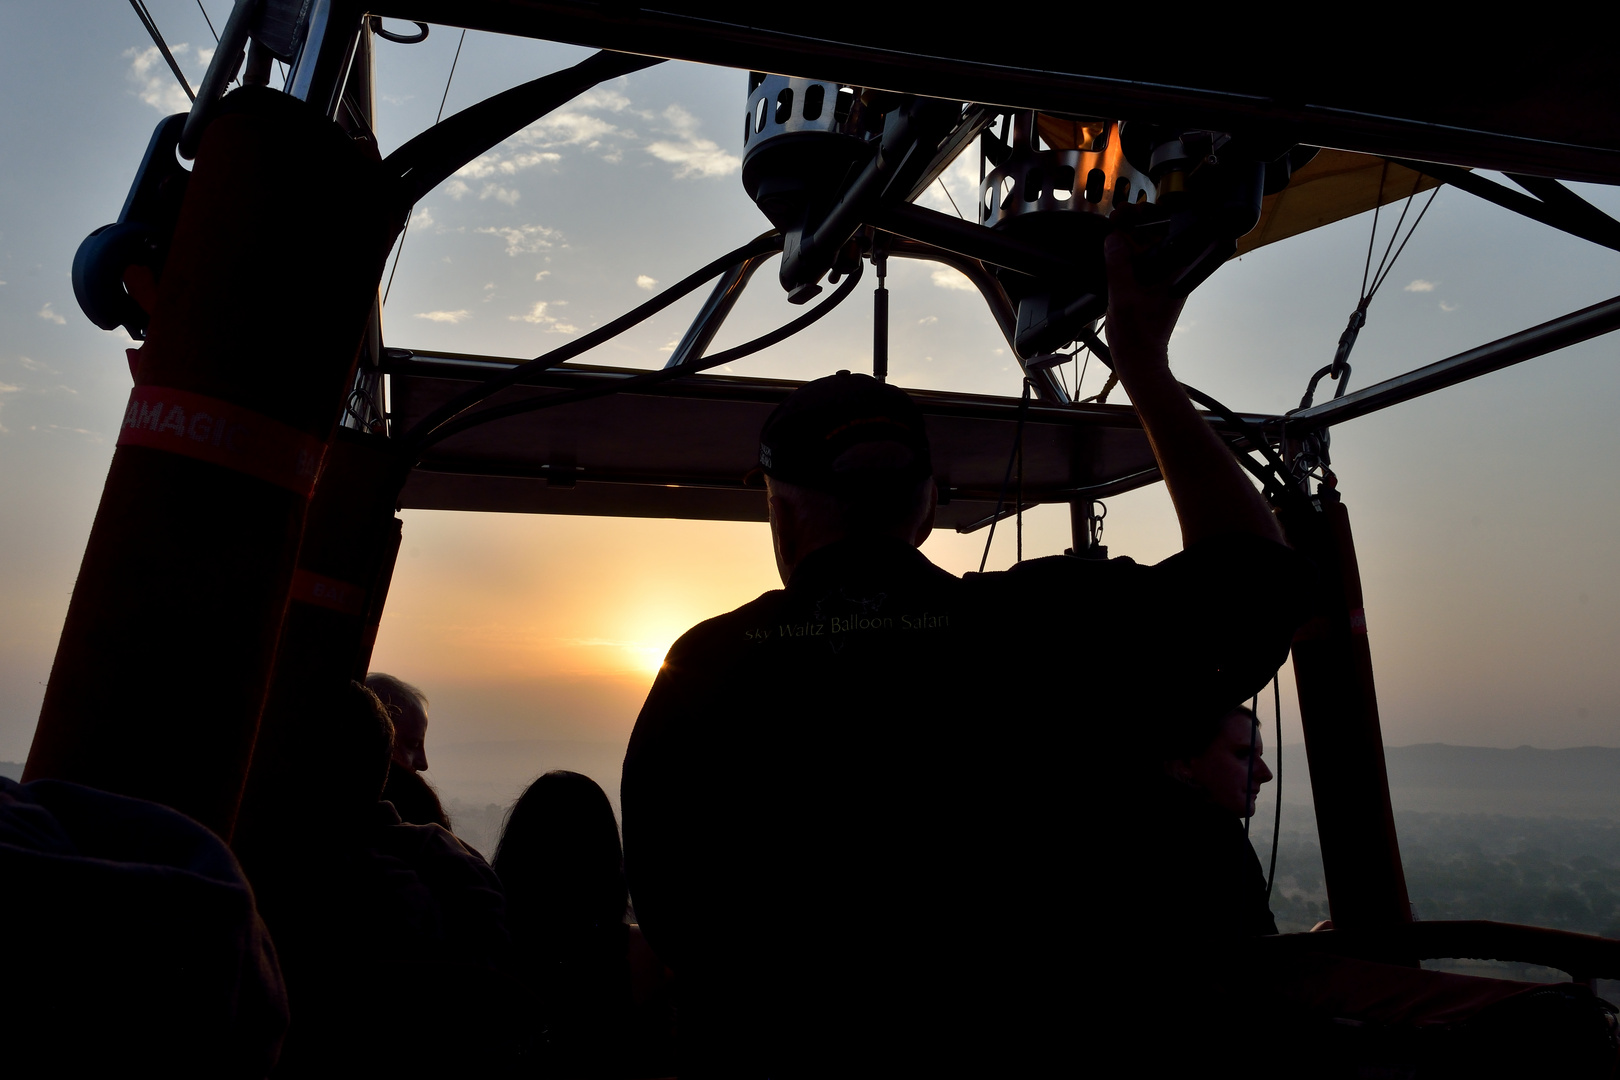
(1212, 495)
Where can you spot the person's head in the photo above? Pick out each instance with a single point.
(845, 456)
(414, 798)
(407, 707)
(1221, 760)
(350, 766)
(559, 857)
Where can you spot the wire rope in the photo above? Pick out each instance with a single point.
(209, 21)
(406, 230)
(163, 46)
(1371, 281)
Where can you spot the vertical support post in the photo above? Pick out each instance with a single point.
(880, 314)
(166, 655)
(1344, 743)
(1085, 529)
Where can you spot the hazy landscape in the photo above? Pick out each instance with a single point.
(1523, 835)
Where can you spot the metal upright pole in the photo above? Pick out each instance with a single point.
(880, 314)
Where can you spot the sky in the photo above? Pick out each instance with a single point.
(1486, 516)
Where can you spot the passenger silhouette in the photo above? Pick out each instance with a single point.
(133, 945)
(413, 797)
(1183, 845)
(561, 864)
(1201, 907)
(859, 811)
(392, 936)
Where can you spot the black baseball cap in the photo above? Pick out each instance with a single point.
(808, 440)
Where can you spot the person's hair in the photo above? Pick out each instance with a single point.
(863, 510)
(1196, 735)
(349, 764)
(560, 860)
(414, 798)
(395, 691)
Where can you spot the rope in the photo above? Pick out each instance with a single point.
(406, 230)
(1277, 480)
(163, 46)
(1254, 747)
(1339, 370)
(209, 21)
(1019, 546)
(1276, 821)
(1018, 446)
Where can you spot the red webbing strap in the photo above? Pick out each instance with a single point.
(322, 591)
(220, 433)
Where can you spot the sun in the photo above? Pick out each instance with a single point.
(648, 659)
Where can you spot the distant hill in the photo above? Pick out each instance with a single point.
(1429, 777)
(1579, 782)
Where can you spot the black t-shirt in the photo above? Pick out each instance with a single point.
(1193, 876)
(856, 810)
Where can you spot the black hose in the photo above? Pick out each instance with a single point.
(651, 378)
(1278, 481)
(425, 433)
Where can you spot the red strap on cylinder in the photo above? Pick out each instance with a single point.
(322, 591)
(220, 433)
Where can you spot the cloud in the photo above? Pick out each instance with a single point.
(593, 123)
(1447, 307)
(495, 163)
(928, 320)
(523, 239)
(451, 317)
(571, 128)
(542, 275)
(59, 427)
(540, 144)
(645, 282)
(538, 316)
(34, 365)
(509, 196)
(691, 154)
(946, 278)
(422, 218)
(961, 179)
(46, 313)
(1419, 285)
(155, 83)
